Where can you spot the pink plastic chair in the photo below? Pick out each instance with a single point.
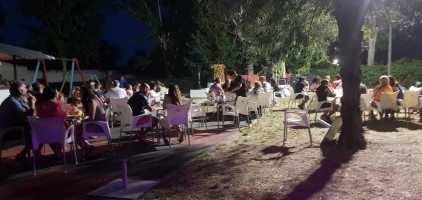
(178, 115)
(141, 121)
(105, 132)
(49, 131)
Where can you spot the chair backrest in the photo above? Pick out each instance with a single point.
(47, 130)
(230, 96)
(196, 110)
(178, 114)
(116, 103)
(264, 99)
(142, 121)
(211, 96)
(104, 126)
(411, 99)
(365, 101)
(242, 105)
(389, 101)
(126, 117)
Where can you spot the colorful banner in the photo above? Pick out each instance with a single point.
(219, 72)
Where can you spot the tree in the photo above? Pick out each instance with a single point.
(2, 19)
(109, 55)
(169, 24)
(68, 28)
(350, 16)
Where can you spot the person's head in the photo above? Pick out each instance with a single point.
(328, 78)
(152, 85)
(17, 89)
(144, 88)
(324, 82)
(73, 101)
(262, 79)
(272, 82)
(337, 77)
(48, 94)
(301, 79)
(384, 80)
(175, 95)
(97, 86)
(37, 87)
(29, 88)
(247, 82)
(86, 95)
(217, 80)
(122, 77)
(418, 84)
(232, 74)
(392, 81)
(128, 87)
(109, 83)
(258, 84)
(316, 80)
(116, 83)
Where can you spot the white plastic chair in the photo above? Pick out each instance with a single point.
(365, 104)
(10, 143)
(253, 104)
(197, 112)
(410, 100)
(49, 131)
(289, 121)
(115, 105)
(105, 132)
(264, 101)
(241, 107)
(140, 121)
(388, 102)
(177, 115)
(293, 96)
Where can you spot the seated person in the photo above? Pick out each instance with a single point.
(274, 85)
(383, 86)
(226, 86)
(322, 92)
(216, 88)
(363, 89)
(73, 109)
(116, 92)
(13, 112)
(337, 83)
(258, 88)
(299, 88)
(316, 82)
(138, 102)
(265, 85)
(248, 86)
(152, 95)
(174, 97)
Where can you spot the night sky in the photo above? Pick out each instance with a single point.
(121, 29)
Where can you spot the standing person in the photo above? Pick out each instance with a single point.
(239, 84)
(174, 97)
(13, 112)
(122, 81)
(138, 102)
(299, 88)
(383, 86)
(216, 88)
(322, 92)
(337, 83)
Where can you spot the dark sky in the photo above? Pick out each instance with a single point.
(121, 29)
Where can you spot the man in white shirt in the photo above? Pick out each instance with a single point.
(116, 92)
(265, 84)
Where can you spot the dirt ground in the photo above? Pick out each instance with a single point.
(254, 164)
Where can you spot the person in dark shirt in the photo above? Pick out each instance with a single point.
(14, 110)
(138, 102)
(299, 87)
(238, 85)
(322, 92)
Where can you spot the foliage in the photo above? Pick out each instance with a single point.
(169, 24)
(69, 28)
(406, 71)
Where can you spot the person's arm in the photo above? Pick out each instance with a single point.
(237, 87)
(92, 110)
(330, 92)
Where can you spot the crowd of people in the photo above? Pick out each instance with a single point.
(86, 103)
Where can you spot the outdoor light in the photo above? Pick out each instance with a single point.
(335, 62)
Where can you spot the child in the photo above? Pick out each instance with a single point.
(73, 105)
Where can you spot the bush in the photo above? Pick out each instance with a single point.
(407, 72)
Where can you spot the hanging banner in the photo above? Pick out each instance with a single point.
(219, 72)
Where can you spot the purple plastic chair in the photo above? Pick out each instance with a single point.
(177, 115)
(50, 130)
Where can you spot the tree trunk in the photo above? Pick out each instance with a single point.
(372, 20)
(349, 15)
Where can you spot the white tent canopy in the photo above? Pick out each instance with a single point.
(8, 51)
